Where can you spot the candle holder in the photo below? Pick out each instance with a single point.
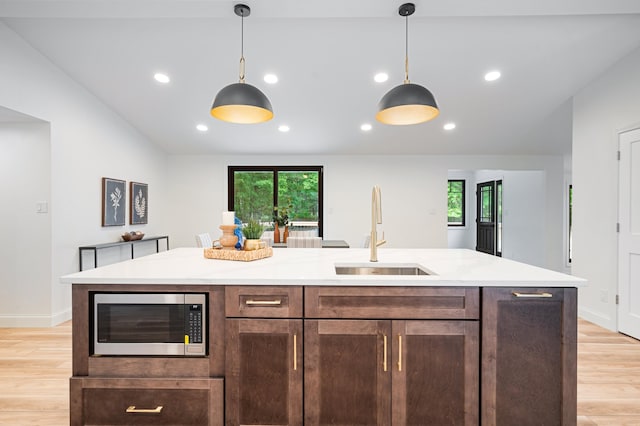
(228, 240)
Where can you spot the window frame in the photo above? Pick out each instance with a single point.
(464, 203)
(275, 169)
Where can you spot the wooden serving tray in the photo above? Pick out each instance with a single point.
(241, 255)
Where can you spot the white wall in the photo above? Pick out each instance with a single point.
(464, 236)
(88, 141)
(25, 252)
(413, 205)
(553, 213)
(524, 216)
(414, 196)
(609, 104)
(524, 213)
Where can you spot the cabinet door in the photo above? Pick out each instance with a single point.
(435, 373)
(529, 356)
(263, 372)
(347, 372)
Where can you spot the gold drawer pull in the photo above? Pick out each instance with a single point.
(295, 352)
(133, 409)
(533, 295)
(275, 302)
(384, 354)
(399, 352)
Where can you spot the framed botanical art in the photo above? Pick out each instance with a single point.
(114, 201)
(139, 204)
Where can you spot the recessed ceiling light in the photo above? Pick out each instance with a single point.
(161, 78)
(283, 128)
(381, 77)
(202, 127)
(270, 78)
(365, 127)
(449, 126)
(492, 75)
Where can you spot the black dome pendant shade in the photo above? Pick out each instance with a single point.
(407, 103)
(241, 102)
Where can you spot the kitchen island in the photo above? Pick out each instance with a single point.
(480, 340)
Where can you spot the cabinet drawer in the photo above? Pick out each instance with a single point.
(265, 302)
(99, 401)
(392, 302)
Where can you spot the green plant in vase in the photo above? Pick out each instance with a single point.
(252, 232)
(281, 216)
(280, 219)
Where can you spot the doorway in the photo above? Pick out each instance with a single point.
(489, 217)
(629, 234)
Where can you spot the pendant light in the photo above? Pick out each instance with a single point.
(407, 103)
(241, 102)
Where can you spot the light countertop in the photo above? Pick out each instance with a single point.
(304, 266)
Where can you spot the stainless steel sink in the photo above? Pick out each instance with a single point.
(381, 270)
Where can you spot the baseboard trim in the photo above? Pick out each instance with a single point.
(28, 321)
(598, 318)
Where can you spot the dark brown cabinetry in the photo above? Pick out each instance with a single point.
(153, 402)
(347, 372)
(146, 390)
(529, 356)
(387, 371)
(264, 356)
(335, 355)
(435, 372)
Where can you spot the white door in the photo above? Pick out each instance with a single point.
(629, 236)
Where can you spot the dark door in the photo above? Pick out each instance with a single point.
(486, 218)
(435, 373)
(347, 368)
(264, 372)
(529, 356)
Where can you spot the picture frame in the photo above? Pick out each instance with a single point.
(139, 203)
(114, 202)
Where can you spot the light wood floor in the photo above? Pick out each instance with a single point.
(35, 365)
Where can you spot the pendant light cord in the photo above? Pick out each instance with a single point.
(242, 48)
(406, 49)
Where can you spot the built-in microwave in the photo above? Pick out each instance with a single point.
(172, 324)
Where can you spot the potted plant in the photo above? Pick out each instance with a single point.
(252, 232)
(280, 219)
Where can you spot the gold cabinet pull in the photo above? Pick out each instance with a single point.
(399, 352)
(295, 352)
(384, 353)
(274, 302)
(532, 295)
(133, 409)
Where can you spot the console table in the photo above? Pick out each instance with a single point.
(97, 247)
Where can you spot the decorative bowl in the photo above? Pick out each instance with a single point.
(132, 236)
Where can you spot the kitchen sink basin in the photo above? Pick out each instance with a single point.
(381, 270)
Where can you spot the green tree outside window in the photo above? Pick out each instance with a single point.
(456, 206)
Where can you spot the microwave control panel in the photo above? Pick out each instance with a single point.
(194, 323)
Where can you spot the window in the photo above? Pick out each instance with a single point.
(456, 210)
(570, 248)
(254, 191)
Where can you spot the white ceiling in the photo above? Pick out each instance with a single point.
(325, 53)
